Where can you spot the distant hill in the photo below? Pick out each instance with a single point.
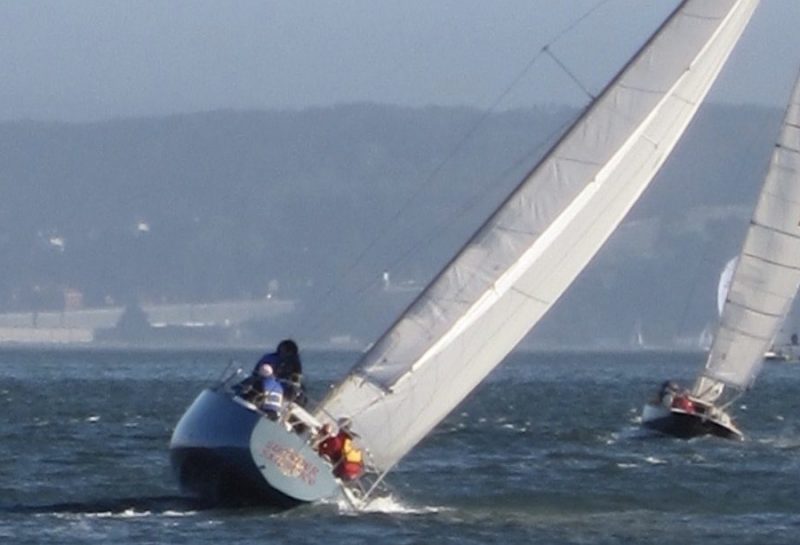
(314, 205)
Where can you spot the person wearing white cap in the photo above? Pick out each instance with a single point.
(271, 395)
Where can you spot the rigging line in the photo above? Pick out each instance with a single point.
(695, 284)
(432, 178)
(547, 48)
(568, 72)
(469, 205)
(569, 28)
(429, 180)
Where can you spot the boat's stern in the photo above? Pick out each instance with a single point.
(287, 461)
(225, 450)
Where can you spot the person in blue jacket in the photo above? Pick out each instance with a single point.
(288, 369)
(270, 398)
(285, 360)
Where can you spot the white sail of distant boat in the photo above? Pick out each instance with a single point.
(637, 338)
(724, 285)
(527, 254)
(767, 275)
(706, 338)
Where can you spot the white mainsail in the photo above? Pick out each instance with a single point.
(767, 276)
(527, 254)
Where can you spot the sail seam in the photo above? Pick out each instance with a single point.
(773, 193)
(748, 334)
(529, 296)
(641, 89)
(755, 310)
(790, 169)
(787, 148)
(774, 230)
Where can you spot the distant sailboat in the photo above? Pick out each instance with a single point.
(784, 350)
(706, 338)
(785, 347)
(491, 294)
(724, 285)
(764, 284)
(637, 337)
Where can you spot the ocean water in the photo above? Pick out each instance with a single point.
(547, 450)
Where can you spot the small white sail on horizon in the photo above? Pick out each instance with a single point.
(766, 278)
(527, 254)
(637, 337)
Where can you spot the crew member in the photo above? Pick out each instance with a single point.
(346, 457)
(270, 398)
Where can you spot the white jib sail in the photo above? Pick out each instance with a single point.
(767, 276)
(527, 254)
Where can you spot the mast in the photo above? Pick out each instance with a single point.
(527, 254)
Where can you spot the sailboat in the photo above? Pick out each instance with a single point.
(785, 347)
(496, 288)
(763, 285)
(784, 352)
(637, 337)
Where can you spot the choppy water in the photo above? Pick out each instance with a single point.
(546, 451)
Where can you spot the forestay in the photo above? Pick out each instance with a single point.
(527, 254)
(767, 275)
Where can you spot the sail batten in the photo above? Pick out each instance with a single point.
(776, 230)
(768, 272)
(526, 255)
(781, 264)
(757, 310)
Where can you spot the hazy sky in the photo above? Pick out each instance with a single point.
(96, 59)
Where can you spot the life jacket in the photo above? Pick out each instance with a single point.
(683, 403)
(350, 453)
(272, 399)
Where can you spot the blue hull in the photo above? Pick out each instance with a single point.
(226, 452)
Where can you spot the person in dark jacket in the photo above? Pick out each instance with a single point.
(288, 368)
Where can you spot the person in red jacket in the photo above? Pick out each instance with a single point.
(347, 459)
(681, 401)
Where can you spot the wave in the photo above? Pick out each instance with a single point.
(388, 505)
(117, 507)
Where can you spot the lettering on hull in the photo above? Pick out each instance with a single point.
(290, 462)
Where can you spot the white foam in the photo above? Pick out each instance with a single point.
(179, 513)
(126, 514)
(386, 505)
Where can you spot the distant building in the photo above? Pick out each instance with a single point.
(73, 299)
